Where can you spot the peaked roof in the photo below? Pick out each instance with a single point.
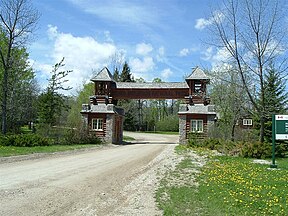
(197, 74)
(103, 75)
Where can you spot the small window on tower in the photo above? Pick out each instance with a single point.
(197, 87)
(100, 88)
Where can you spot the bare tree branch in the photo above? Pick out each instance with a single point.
(18, 19)
(251, 32)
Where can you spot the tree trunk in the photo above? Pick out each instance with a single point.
(4, 101)
(233, 132)
(262, 124)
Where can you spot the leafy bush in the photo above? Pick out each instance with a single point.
(24, 140)
(56, 135)
(67, 136)
(194, 140)
(169, 123)
(2, 140)
(211, 143)
(281, 149)
(82, 136)
(252, 149)
(256, 149)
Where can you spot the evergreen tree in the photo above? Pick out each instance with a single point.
(126, 75)
(51, 102)
(116, 75)
(130, 106)
(276, 98)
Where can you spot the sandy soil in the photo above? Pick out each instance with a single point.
(115, 180)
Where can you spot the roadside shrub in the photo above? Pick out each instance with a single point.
(25, 140)
(281, 149)
(67, 136)
(251, 149)
(56, 135)
(82, 136)
(256, 150)
(212, 143)
(194, 140)
(2, 140)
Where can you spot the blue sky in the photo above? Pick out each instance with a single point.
(157, 38)
(163, 38)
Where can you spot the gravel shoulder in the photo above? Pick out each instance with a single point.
(113, 180)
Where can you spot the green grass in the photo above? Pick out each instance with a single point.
(6, 151)
(227, 186)
(128, 138)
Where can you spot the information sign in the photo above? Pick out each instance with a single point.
(279, 132)
(281, 127)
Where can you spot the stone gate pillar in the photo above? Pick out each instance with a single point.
(182, 129)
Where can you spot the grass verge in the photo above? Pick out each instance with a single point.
(128, 138)
(6, 151)
(224, 186)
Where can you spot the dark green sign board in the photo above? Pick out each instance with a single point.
(281, 127)
(279, 132)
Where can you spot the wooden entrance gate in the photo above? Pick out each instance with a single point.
(195, 114)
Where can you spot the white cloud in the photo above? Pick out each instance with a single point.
(108, 36)
(202, 23)
(143, 49)
(184, 52)
(218, 58)
(43, 69)
(52, 32)
(166, 73)
(139, 66)
(82, 55)
(207, 54)
(221, 55)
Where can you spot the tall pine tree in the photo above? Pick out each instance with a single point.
(116, 75)
(126, 75)
(130, 106)
(276, 98)
(52, 102)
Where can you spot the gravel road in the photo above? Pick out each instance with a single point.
(112, 180)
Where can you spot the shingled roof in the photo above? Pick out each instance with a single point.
(103, 75)
(197, 74)
(149, 85)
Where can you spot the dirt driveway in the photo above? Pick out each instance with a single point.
(111, 180)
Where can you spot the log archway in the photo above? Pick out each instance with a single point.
(104, 118)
